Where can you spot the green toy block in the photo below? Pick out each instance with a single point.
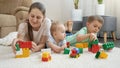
(80, 50)
(90, 45)
(17, 47)
(95, 41)
(108, 45)
(66, 50)
(97, 55)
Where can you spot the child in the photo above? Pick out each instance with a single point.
(57, 40)
(88, 33)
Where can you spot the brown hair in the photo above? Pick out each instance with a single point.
(54, 26)
(39, 6)
(96, 17)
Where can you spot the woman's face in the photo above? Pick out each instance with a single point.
(36, 18)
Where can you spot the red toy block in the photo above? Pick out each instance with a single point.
(95, 48)
(68, 44)
(27, 44)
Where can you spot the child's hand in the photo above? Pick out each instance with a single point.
(92, 37)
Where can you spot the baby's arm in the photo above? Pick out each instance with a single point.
(56, 48)
(81, 37)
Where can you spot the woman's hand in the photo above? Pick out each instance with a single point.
(14, 43)
(35, 47)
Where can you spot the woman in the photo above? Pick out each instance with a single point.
(35, 29)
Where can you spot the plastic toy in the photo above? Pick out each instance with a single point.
(68, 44)
(101, 55)
(108, 45)
(46, 56)
(81, 45)
(23, 49)
(66, 50)
(75, 53)
(93, 46)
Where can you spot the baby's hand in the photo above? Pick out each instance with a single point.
(92, 37)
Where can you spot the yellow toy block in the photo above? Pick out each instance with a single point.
(103, 55)
(25, 53)
(85, 45)
(79, 45)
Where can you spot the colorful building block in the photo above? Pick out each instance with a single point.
(66, 50)
(68, 44)
(75, 53)
(108, 45)
(46, 56)
(81, 45)
(93, 46)
(23, 49)
(101, 55)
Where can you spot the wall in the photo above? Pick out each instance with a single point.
(61, 9)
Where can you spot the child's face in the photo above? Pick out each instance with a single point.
(94, 26)
(60, 33)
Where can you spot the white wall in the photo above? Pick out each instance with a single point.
(53, 8)
(61, 9)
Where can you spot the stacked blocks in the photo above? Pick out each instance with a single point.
(93, 46)
(46, 56)
(108, 46)
(101, 55)
(75, 53)
(23, 49)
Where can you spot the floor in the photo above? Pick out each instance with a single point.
(117, 42)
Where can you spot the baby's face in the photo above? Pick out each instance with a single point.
(94, 26)
(60, 33)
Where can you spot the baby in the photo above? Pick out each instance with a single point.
(57, 40)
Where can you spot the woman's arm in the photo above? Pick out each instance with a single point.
(39, 46)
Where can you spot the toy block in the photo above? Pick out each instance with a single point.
(90, 45)
(103, 55)
(89, 49)
(27, 44)
(108, 46)
(80, 50)
(46, 56)
(75, 53)
(22, 49)
(95, 48)
(79, 45)
(85, 45)
(97, 55)
(66, 50)
(95, 41)
(17, 47)
(20, 52)
(68, 44)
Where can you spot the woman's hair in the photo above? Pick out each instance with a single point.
(39, 6)
(54, 27)
(96, 17)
